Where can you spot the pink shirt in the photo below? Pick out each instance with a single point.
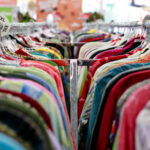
(132, 107)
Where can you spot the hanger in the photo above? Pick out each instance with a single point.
(3, 61)
(145, 33)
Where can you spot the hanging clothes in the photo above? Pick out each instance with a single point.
(121, 63)
(36, 90)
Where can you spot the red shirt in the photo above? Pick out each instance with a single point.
(110, 106)
(24, 40)
(59, 62)
(21, 52)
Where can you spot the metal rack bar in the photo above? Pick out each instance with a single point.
(32, 24)
(28, 27)
(73, 99)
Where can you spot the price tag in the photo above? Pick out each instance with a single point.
(146, 21)
(4, 25)
(92, 31)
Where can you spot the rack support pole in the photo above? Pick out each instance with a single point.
(73, 99)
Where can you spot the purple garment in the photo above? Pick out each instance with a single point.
(54, 141)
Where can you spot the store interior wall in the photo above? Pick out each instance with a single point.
(116, 10)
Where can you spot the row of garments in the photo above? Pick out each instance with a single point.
(43, 44)
(33, 106)
(34, 92)
(113, 97)
(113, 91)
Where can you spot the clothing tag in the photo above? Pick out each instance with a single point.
(92, 31)
(4, 25)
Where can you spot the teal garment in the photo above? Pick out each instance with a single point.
(39, 54)
(96, 107)
(52, 56)
(8, 143)
(66, 86)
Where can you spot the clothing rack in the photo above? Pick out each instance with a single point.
(28, 27)
(86, 62)
(74, 63)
